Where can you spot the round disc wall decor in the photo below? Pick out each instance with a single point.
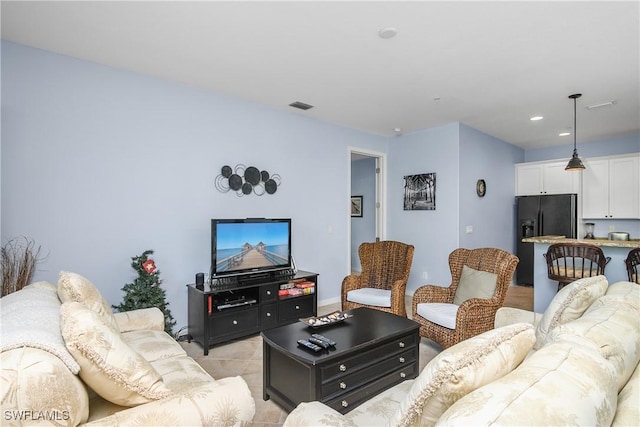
(246, 180)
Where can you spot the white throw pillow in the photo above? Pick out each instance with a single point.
(74, 287)
(461, 369)
(475, 284)
(107, 364)
(569, 304)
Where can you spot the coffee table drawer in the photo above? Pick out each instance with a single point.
(349, 382)
(347, 365)
(348, 401)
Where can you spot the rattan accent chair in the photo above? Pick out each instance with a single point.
(472, 316)
(383, 281)
(568, 262)
(633, 265)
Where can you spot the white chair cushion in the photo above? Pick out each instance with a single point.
(370, 296)
(440, 313)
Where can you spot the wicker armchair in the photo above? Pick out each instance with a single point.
(633, 265)
(382, 283)
(473, 316)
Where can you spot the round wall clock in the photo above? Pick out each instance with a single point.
(481, 188)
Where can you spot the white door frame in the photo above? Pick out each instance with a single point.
(381, 196)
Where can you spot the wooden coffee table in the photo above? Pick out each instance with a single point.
(374, 351)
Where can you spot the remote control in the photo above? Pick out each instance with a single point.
(309, 345)
(319, 342)
(325, 339)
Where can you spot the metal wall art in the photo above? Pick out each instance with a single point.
(420, 192)
(246, 180)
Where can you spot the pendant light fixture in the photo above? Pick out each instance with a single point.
(575, 164)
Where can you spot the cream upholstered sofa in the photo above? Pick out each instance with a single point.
(67, 359)
(575, 364)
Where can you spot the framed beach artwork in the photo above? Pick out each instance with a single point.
(356, 206)
(420, 192)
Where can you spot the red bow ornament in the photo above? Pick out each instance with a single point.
(149, 266)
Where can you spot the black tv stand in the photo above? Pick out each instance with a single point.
(231, 307)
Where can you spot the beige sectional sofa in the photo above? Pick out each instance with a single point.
(67, 359)
(575, 364)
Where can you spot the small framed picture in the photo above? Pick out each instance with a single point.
(356, 206)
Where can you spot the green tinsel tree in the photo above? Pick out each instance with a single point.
(145, 291)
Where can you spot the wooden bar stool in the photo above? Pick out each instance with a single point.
(567, 262)
(633, 265)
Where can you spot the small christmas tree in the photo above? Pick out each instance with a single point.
(145, 291)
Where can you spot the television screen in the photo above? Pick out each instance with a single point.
(247, 245)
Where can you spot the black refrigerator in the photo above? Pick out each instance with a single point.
(547, 215)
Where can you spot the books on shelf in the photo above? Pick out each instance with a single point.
(297, 288)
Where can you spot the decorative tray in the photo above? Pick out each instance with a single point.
(326, 320)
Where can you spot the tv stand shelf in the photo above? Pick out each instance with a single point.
(231, 308)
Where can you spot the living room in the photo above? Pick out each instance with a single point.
(99, 163)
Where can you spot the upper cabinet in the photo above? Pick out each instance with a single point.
(611, 187)
(545, 178)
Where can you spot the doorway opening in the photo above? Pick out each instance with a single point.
(367, 186)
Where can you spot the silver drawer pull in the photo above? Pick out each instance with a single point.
(342, 368)
(297, 307)
(402, 375)
(343, 386)
(268, 292)
(401, 344)
(344, 403)
(268, 314)
(235, 322)
(401, 360)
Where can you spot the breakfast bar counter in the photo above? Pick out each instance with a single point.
(544, 289)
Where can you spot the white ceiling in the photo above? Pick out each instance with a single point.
(490, 65)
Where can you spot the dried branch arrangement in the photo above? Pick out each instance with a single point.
(18, 259)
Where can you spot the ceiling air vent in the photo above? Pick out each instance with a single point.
(300, 105)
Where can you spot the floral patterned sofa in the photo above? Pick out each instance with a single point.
(67, 359)
(575, 364)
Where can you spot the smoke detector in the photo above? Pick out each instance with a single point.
(387, 33)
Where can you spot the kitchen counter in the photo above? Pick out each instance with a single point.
(544, 289)
(633, 243)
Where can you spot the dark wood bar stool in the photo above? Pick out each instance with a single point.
(633, 265)
(567, 262)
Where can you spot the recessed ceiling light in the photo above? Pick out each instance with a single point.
(397, 130)
(536, 118)
(564, 134)
(387, 33)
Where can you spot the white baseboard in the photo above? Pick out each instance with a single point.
(329, 301)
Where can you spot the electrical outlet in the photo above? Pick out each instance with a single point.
(469, 229)
(612, 228)
(425, 275)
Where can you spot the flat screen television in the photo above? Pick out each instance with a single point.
(246, 246)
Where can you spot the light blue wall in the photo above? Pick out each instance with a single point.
(363, 229)
(99, 165)
(492, 217)
(605, 147)
(433, 233)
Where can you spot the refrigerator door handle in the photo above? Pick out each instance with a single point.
(540, 222)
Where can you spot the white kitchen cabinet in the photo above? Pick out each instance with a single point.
(545, 178)
(611, 187)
